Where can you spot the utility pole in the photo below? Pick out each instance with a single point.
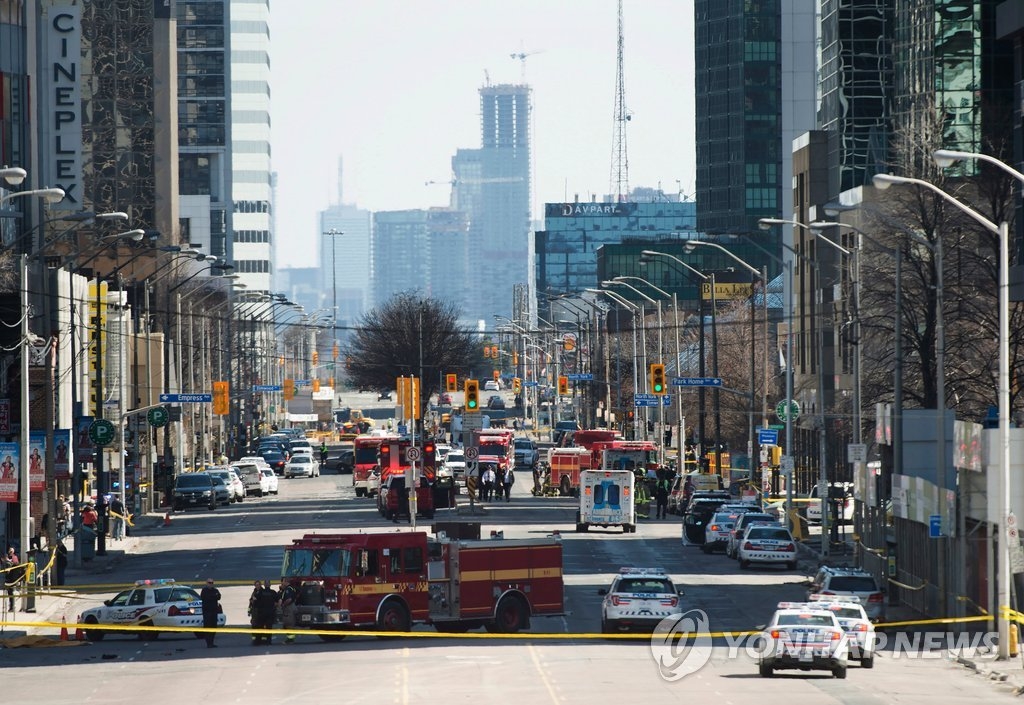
(333, 233)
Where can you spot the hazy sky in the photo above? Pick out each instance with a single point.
(391, 86)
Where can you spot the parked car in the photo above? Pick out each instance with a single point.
(151, 603)
(456, 462)
(236, 490)
(346, 459)
(268, 481)
(301, 466)
(638, 598)
(767, 544)
(251, 478)
(526, 453)
(492, 385)
(195, 489)
(855, 582)
(745, 520)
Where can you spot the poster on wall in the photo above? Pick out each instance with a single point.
(9, 472)
(83, 444)
(62, 453)
(36, 466)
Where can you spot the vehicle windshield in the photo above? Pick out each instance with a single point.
(313, 563)
(749, 519)
(655, 585)
(805, 620)
(456, 456)
(493, 449)
(848, 613)
(299, 459)
(852, 583)
(524, 443)
(367, 455)
(724, 518)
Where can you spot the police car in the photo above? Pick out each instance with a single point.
(804, 636)
(151, 603)
(638, 598)
(859, 629)
(767, 544)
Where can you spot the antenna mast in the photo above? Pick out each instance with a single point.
(620, 160)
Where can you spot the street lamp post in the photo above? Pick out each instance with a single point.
(334, 233)
(944, 158)
(633, 308)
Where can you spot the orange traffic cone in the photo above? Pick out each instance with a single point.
(167, 518)
(63, 629)
(79, 634)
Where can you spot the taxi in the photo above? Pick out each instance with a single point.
(804, 636)
(151, 603)
(855, 622)
(638, 598)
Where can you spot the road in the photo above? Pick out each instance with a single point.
(238, 544)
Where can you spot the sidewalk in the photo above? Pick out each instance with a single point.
(52, 603)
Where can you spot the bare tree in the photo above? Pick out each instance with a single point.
(409, 335)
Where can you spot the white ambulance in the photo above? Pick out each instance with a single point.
(606, 499)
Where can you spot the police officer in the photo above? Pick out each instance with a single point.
(288, 597)
(661, 492)
(264, 610)
(210, 597)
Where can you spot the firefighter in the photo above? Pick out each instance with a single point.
(661, 492)
(288, 597)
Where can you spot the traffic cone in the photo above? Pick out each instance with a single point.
(79, 634)
(167, 518)
(63, 629)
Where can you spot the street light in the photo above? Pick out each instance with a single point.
(13, 175)
(945, 158)
(633, 308)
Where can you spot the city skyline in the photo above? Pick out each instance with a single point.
(418, 102)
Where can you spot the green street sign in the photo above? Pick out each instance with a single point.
(157, 416)
(793, 410)
(101, 432)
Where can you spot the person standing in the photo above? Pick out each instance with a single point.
(489, 477)
(264, 612)
(117, 512)
(507, 480)
(661, 492)
(11, 575)
(210, 597)
(61, 561)
(288, 597)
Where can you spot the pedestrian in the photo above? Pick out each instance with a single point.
(89, 516)
(661, 492)
(264, 612)
(118, 513)
(61, 561)
(488, 478)
(507, 480)
(210, 597)
(288, 597)
(256, 587)
(12, 574)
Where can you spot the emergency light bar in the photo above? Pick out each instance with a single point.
(641, 571)
(158, 581)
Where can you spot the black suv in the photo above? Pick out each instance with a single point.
(194, 490)
(699, 511)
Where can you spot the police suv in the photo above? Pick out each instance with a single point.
(151, 603)
(854, 620)
(638, 598)
(804, 636)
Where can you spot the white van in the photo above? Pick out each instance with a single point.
(606, 499)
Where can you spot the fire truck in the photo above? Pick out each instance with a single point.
(567, 463)
(397, 475)
(365, 468)
(496, 446)
(392, 581)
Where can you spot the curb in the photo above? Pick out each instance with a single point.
(1016, 685)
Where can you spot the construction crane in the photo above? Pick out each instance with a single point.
(521, 55)
(619, 186)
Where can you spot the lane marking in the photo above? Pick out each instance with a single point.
(543, 676)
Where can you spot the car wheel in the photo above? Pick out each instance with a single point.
(241, 499)
(148, 635)
(93, 634)
(839, 671)
(868, 662)
(394, 617)
(765, 670)
(259, 493)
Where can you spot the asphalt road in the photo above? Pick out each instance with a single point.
(238, 544)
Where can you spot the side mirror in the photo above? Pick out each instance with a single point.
(680, 593)
(602, 591)
(107, 603)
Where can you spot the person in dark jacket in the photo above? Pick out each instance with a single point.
(507, 480)
(661, 492)
(264, 612)
(60, 562)
(210, 597)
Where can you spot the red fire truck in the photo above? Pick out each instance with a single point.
(496, 446)
(389, 582)
(366, 461)
(567, 463)
(396, 475)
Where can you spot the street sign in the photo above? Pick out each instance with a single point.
(793, 410)
(186, 398)
(531, 383)
(644, 400)
(412, 454)
(935, 526)
(767, 437)
(266, 387)
(696, 381)
(472, 453)
(581, 377)
(101, 432)
(157, 416)
(402, 429)
(303, 383)
(856, 453)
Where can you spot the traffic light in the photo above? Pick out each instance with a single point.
(451, 383)
(517, 385)
(289, 389)
(429, 460)
(497, 375)
(494, 351)
(515, 358)
(658, 379)
(472, 391)
(316, 358)
(334, 352)
(563, 385)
